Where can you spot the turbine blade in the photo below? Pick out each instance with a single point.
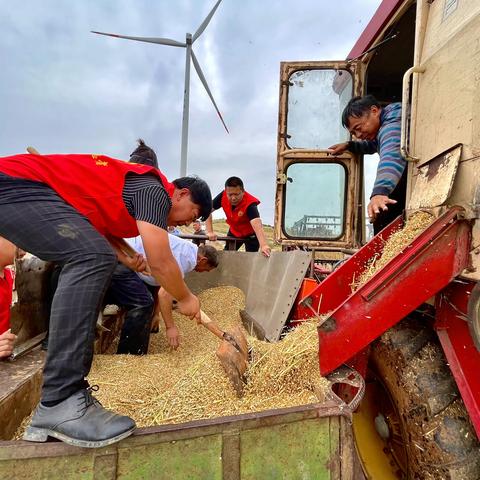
(204, 24)
(204, 81)
(161, 41)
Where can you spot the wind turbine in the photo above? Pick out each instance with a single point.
(189, 40)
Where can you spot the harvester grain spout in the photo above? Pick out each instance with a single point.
(418, 272)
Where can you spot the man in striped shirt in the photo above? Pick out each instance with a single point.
(74, 210)
(377, 129)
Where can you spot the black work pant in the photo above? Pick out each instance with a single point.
(130, 292)
(251, 243)
(36, 219)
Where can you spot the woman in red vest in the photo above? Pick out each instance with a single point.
(242, 217)
(71, 210)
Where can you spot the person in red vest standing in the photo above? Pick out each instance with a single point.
(7, 257)
(74, 210)
(241, 210)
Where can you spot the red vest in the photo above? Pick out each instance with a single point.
(237, 219)
(6, 285)
(92, 184)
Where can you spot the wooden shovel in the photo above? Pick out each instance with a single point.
(232, 352)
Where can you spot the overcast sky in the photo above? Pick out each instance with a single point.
(65, 90)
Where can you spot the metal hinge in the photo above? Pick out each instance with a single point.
(282, 179)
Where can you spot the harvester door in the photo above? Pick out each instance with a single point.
(318, 196)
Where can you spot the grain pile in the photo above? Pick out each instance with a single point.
(189, 384)
(395, 244)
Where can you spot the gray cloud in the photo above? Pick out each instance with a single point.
(64, 89)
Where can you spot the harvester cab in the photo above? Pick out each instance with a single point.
(401, 309)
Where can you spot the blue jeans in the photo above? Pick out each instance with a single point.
(127, 290)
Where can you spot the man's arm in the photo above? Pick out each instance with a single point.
(212, 236)
(135, 262)
(391, 165)
(259, 232)
(165, 302)
(367, 147)
(164, 268)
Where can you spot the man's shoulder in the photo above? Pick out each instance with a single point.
(392, 112)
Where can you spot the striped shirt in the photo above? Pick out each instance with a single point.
(146, 199)
(387, 145)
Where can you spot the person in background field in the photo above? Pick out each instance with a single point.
(241, 210)
(7, 257)
(74, 210)
(144, 155)
(377, 129)
(198, 230)
(189, 258)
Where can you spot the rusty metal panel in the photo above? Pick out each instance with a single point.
(291, 451)
(193, 458)
(435, 180)
(72, 467)
(213, 448)
(20, 383)
(270, 285)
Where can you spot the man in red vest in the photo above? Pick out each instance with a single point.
(242, 217)
(74, 210)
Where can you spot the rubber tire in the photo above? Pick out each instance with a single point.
(440, 441)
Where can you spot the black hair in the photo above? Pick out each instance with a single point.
(144, 154)
(234, 182)
(199, 191)
(210, 253)
(357, 106)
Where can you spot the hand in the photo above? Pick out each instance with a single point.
(6, 344)
(212, 236)
(378, 203)
(173, 337)
(265, 249)
(137, 263)
(190, 306)
(338, 148)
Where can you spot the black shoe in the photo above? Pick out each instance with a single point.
(79, 420)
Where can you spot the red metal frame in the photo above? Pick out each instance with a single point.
(462, 356)
(422, 270)
(381, 17)
(336, 288)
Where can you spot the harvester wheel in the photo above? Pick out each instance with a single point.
(414, 410)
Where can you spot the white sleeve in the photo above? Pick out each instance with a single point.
(136, 243)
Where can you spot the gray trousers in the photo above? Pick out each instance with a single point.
(36, 219)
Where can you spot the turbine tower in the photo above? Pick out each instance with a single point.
(189, 40)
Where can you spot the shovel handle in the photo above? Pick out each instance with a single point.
(208, 323)
(32, 151)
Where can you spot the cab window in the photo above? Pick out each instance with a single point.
(315, 200)
(316, 99)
